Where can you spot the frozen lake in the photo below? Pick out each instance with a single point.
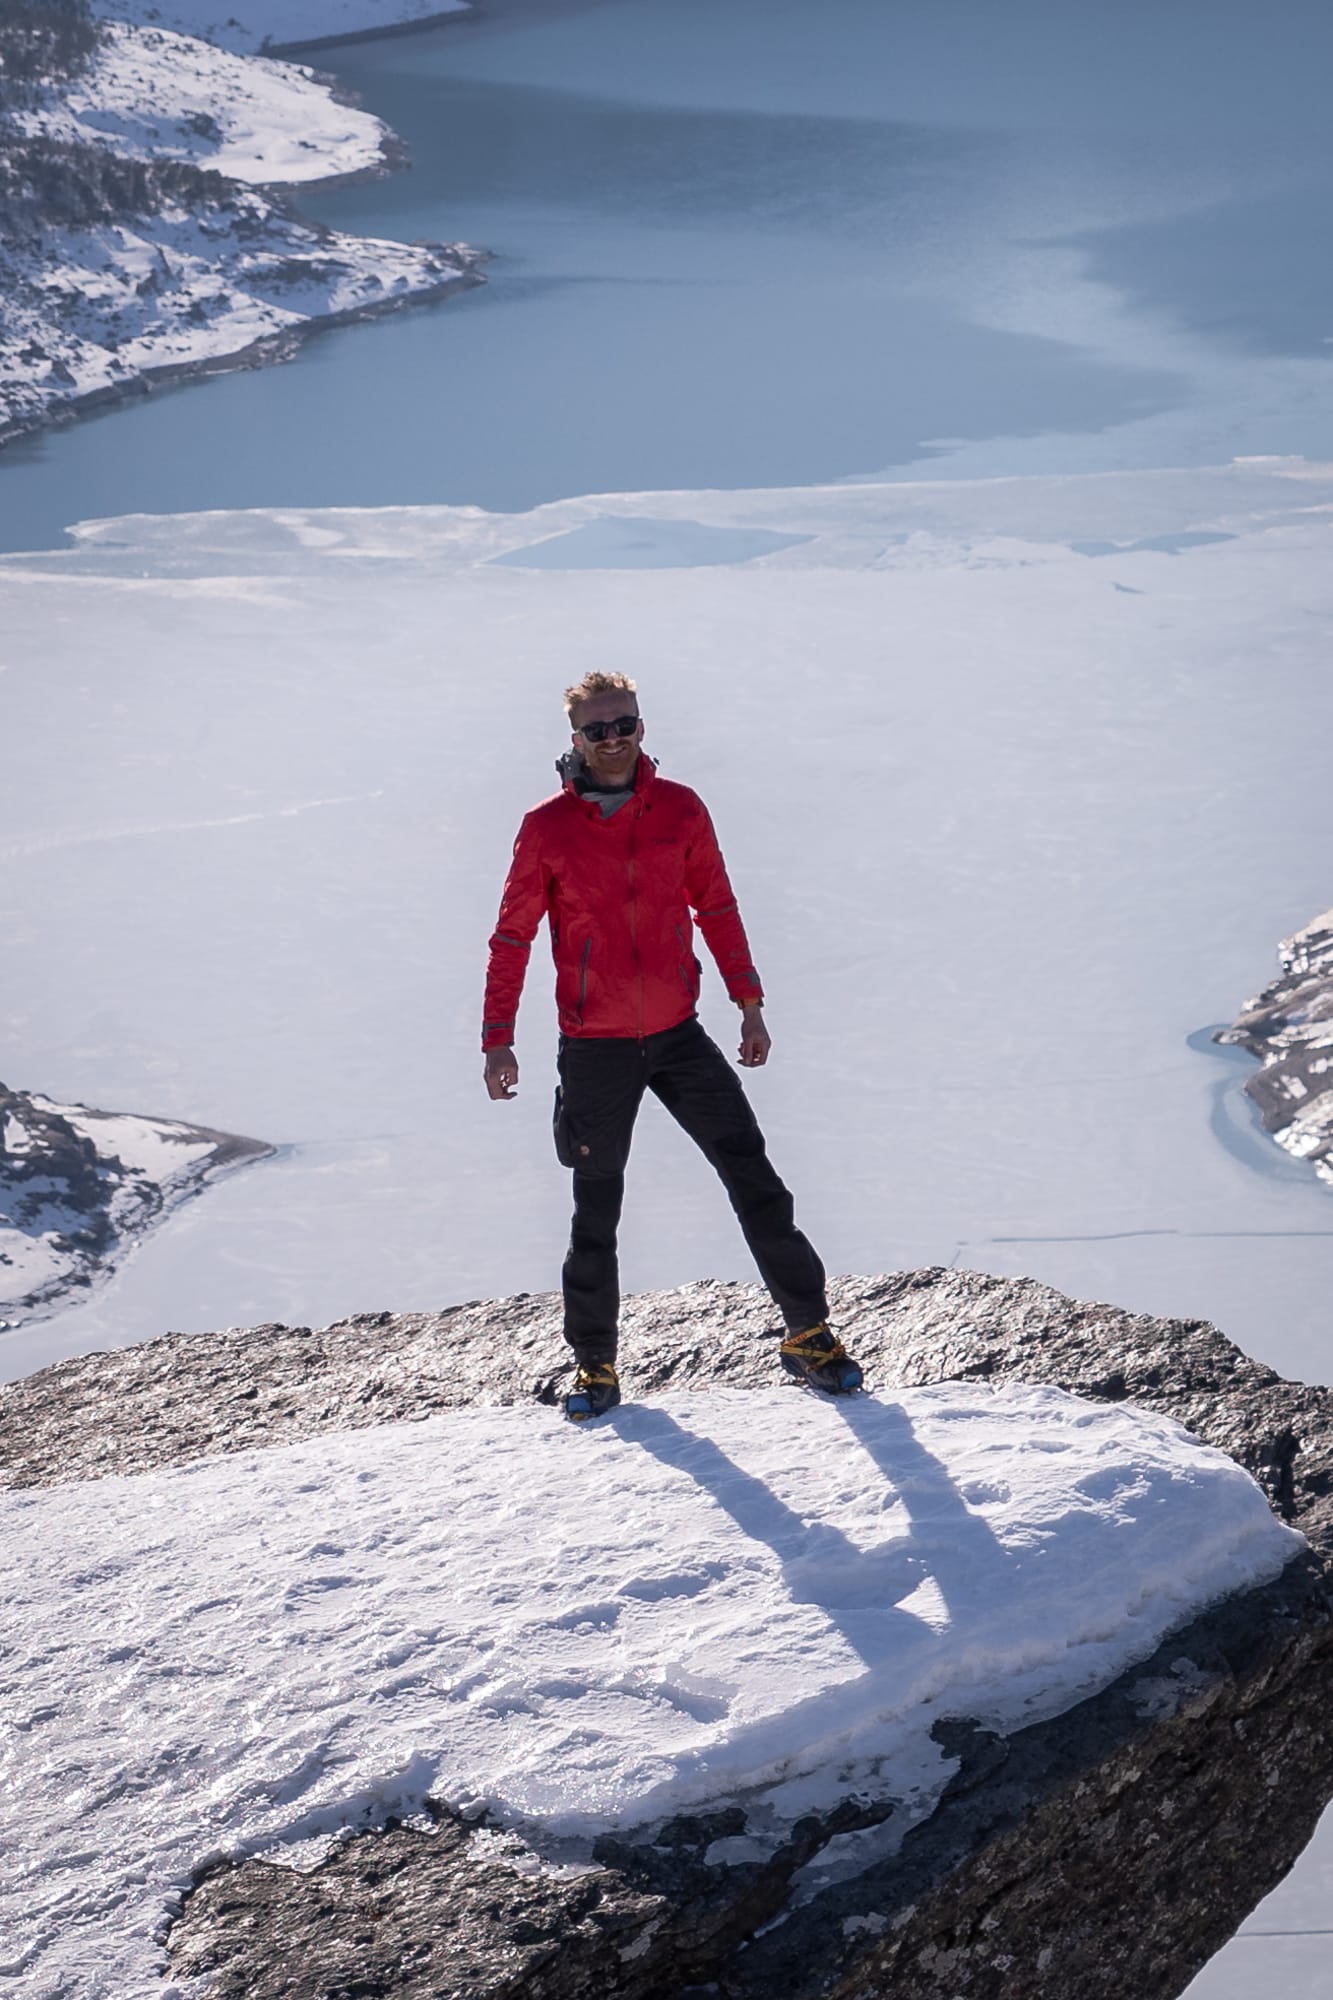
(1006, 773)
(773, 245)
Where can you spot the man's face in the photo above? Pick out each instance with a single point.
(612, 760)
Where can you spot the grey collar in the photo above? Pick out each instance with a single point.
(610, 798)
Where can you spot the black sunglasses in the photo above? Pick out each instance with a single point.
(597, 732)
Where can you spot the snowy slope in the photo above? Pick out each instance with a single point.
(735, 1594)
(261, 23)
(150, 95)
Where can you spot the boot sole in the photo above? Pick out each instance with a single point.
(579, 1408)
(838, 1378)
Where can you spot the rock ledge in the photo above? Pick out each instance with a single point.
(1103, 1855)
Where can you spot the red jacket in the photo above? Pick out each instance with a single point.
(618, 893)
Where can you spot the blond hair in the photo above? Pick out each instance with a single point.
(595, 684)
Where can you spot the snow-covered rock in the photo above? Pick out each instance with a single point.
(1289, 1027)
(195, 275)
(252, 25)
(79, 1188)
(148, 94)
(993, 1681)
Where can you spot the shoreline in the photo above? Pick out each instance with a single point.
(82, 1188)
(1288, 1028)
(268, 350)
(300, 24)
(291, 51)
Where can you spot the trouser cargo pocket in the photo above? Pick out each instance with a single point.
(560, 1126)
(596, 1100)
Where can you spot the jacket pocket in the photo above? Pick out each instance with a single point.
(688, 966)
(583, 977)
(564, 1150)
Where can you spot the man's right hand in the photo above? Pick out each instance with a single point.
(501, 1073)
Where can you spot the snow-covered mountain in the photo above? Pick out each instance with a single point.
(141, 237)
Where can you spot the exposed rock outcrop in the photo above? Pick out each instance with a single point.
(1107, 1852)
(79, 1188)
(1289, 1026)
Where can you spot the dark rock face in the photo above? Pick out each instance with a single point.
(38, 43)
(1289, 1026)
(54, 184)
(45, 1147)
(407, 1912)
(1103, 1855)
(70, 1206)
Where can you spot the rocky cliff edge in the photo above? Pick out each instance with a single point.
(1107, 1852)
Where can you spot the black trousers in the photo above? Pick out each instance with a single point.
(602, 1082)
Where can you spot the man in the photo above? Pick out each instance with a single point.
(616, 861)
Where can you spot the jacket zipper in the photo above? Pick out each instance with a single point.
(634, 921)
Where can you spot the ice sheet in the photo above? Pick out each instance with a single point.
(1008, 824)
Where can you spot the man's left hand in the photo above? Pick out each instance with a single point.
(755, 1039)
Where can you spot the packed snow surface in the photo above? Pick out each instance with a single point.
(272, 23)
(735, 1594)
(148, 94)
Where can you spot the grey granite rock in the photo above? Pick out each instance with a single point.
(1289, 1026)
(1104, 1854)
(456, 1912)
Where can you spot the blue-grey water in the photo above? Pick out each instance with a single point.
(768, 244)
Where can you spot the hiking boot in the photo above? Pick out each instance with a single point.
(818, 1357)
(596, 1390)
